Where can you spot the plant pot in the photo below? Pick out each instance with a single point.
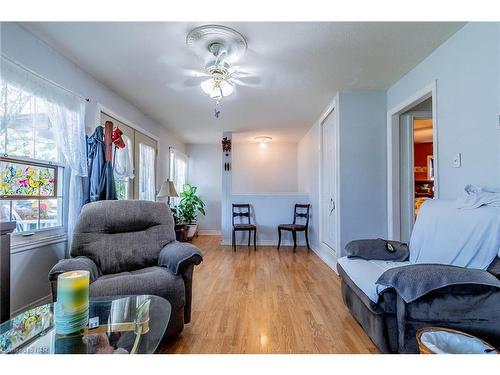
(192, 230)
(181, 232)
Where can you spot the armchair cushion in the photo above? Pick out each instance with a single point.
(378, 249)
(416, 280)
(177, 255)
(151, 280)
(122, 236)
(75, 264)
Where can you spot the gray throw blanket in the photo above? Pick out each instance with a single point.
(416, 280)
(176, 255)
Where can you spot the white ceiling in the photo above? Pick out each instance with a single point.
(300, 65)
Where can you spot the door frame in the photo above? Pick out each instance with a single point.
(331, 109)
(410, 147)
(393, 165)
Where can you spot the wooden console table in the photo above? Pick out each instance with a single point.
(6, 228)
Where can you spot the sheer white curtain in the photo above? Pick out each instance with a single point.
(66, 113)
(178, 171)
(146, 172)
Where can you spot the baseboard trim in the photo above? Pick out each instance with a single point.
(41, 301)
(209, 232)
(263, 243)
(326, 256)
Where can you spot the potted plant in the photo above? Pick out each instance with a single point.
(189, 207)
(181, 230)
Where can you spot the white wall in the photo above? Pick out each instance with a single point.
(205, 172)
(267, 211)
(309, 179)
(467, 70)
(30, 267)
(271, 169)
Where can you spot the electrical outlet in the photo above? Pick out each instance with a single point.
(457, 160)
(498, 122)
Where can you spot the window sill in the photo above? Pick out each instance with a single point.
(20, 243)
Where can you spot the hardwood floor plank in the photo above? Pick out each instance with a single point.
(266, 301)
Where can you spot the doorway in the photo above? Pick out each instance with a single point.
(410, 183)
(416, 164)
(328, 201)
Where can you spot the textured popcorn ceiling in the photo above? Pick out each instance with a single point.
(300, 65)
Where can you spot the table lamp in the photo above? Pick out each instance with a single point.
(167, 190)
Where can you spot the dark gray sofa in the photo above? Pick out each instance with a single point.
(391, 323)
(129, 248)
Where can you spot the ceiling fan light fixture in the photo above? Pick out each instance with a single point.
(217, 88)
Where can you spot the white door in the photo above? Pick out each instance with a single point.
(328, 188)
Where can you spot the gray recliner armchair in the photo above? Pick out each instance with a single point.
(129, 248)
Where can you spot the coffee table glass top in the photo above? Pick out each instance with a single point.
(117, 325)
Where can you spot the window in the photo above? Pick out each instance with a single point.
(31, 182)
(145, 160)
(178, 171)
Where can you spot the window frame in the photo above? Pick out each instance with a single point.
(59, 173)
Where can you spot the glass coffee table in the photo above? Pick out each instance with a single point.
(117, 325)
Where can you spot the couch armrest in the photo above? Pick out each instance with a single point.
(177, 256)
(72, 264)
(416, 280)
(378, 249)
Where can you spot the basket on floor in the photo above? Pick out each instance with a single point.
(450, 341)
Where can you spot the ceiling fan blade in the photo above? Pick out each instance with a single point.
(247, 81)
(194, 81)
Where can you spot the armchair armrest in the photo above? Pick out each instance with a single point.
(180, 258)
(177, 256)
(416, 280)
(72, 264)
(378, 249)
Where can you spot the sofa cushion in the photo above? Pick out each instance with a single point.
(157, 281)
(122, 236)
(365, 273)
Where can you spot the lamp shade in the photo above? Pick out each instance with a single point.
(167, 190)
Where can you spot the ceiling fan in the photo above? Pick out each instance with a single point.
(220, 47)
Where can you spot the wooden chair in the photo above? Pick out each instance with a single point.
(295, 227)
(242, 210)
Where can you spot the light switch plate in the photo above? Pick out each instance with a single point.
(457, 160)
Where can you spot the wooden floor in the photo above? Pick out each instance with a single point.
(266, 301)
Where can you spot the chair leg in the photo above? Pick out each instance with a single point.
(294, 235)
(307, 241)
(255, 240)
(249, 236)
(279, 238)
(233, 241)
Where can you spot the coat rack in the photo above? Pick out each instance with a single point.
(108, 141)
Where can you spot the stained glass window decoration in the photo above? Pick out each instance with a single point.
(27, 180)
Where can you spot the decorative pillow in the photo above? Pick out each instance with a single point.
(378, 249)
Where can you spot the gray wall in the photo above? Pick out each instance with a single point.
(205, 171)
(29, 268)
(29, 275)
(362, 164)
(467, 70)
